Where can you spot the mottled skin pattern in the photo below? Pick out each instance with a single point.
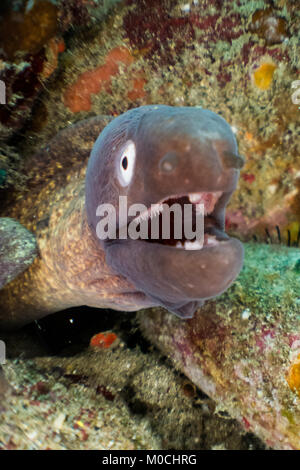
(73, 268)
(70, 268)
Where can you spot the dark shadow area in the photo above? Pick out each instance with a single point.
(69, 332)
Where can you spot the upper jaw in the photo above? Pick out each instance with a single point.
(208, 199)
(213, 202)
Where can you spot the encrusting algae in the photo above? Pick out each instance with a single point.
(243, 349)
(263, 76)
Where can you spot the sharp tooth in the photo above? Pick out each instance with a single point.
(156, 209)
(195, 197)
(208, 199)
(211, 240)
(196, 245)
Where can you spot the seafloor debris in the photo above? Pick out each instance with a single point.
(17, 249)
(243, 349)
(116, 399)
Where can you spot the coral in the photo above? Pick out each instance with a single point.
(53, 411)
(295, 198)
(117, 398)
(17, 249)
(249, 177)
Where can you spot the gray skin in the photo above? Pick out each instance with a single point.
(204, 158)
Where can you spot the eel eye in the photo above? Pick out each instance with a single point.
(126, 165)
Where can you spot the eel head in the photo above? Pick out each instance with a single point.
(158, 156)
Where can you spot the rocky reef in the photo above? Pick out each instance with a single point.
(243, 349)
(17, 249)
(74, 59)
(109, 396)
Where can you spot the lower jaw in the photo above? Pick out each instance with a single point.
(207, 242)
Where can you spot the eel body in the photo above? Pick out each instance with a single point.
(173, 154)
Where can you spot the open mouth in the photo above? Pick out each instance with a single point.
(204, 204)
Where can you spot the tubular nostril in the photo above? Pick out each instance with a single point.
(168, 162)
(231, 160)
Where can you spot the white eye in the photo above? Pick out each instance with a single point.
(126, 163)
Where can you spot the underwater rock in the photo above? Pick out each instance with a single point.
(22, 57)
(29, 56)
(32, 25)
(118, 398)
(243, 349)
(17, 249)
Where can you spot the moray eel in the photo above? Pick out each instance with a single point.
(152, 154)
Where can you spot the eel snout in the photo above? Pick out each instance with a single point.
(165, 157)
